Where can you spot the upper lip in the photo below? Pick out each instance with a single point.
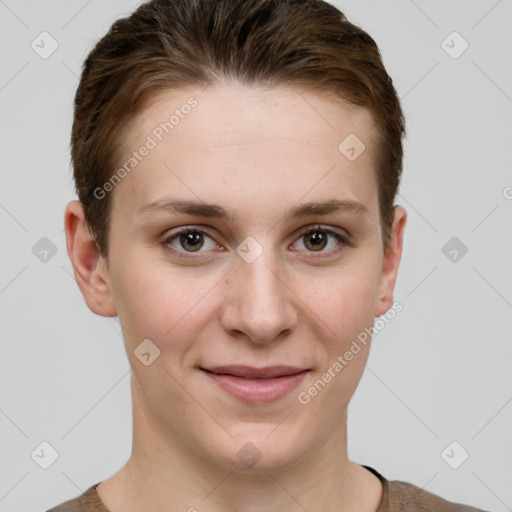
(249, 372)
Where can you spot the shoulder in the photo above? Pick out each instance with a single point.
(398, 496)
(89, 501)
(407, 497)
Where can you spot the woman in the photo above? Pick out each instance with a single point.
(236, 163)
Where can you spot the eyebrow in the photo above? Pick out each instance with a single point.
(202, 209)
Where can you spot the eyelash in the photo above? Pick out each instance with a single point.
(344, 242)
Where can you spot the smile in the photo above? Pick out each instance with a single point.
(256, 385)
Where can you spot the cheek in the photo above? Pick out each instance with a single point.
(345, 300)
(157, 302)
(346, 306)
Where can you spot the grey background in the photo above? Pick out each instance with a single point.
(438, 373)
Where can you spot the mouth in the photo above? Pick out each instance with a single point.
(256, 385)
(248, 372)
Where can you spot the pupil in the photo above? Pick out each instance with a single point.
(318, 239)
(191, 239)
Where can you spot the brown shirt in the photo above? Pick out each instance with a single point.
(396, 497)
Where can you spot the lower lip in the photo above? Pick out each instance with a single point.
(257, 390)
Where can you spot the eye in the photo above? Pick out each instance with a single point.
(316, 239)
(190, 240)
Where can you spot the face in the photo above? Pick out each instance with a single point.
(289, 275)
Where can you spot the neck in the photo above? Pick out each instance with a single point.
(164, 474)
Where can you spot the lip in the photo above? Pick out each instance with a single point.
(250, 372)
(256, 385)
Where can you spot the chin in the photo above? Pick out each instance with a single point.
(254, 451)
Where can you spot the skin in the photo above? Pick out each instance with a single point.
(257, 152)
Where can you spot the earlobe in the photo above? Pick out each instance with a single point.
(391, 261)
(89, 267)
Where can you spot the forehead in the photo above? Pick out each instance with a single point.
(234, 139)
(245, 115)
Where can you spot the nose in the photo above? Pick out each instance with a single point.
(259, 303)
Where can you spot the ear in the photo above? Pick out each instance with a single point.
(89, 267)
(391, 261)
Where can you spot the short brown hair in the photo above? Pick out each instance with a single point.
(168, 44)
